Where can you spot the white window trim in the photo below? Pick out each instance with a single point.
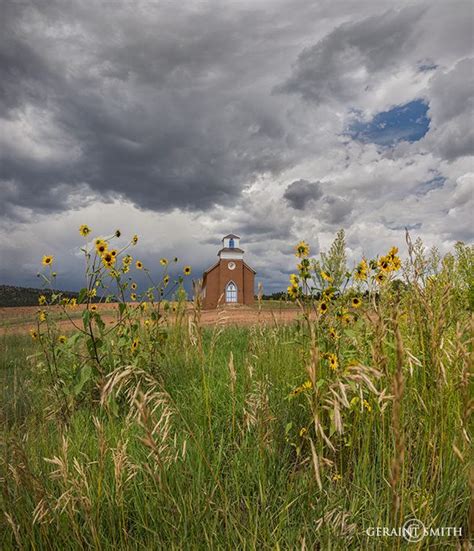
(236, 292)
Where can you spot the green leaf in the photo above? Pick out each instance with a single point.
(86, 316)
(84, 376)
(73, 339)
(82, 295)
(99, 343)
(100, 323)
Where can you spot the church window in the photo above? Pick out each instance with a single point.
(231, 292)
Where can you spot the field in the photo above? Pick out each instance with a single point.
(154, 426)
(20, 320)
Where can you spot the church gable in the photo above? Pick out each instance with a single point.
(230, 280)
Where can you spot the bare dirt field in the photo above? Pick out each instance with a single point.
(19, 320)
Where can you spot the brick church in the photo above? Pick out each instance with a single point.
(230, 280)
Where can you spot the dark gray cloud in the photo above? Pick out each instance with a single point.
(301, 192)
(336, 210)
(153, 112)
(335, 66)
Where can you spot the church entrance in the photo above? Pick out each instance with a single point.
(231, 292)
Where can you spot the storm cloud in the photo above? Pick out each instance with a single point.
(300, 193)
(192, 121)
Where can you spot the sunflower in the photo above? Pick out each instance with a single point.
(41, 316)
(293, 291)
(361, 271)
(127, 260)
(62, 339)
(302, 249)
(72, 303)
(100, 246)
(139, 265)
(41, 300)
(380, 277)
(134, 239)
(356, 302)
(135, 343)
(333, 363)
(332, 333)
(307, 385)
(323, 308)
(164, 261)
(385, 264)
(166, 279)
(118, 233)
(133, 286)
(133, 296)
(187, 270)
(93, 307)
(294, 279)
(113, 252)
(47, 260)
(33, 334)
(175, 259)
(303, 268)
(396, 263)
(393, 252)
(84, 230)
(346, 319)
(328, 294)
(326, 276)
(108, 259)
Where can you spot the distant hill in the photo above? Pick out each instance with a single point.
(11, 295)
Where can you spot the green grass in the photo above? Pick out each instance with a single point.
(221, 481)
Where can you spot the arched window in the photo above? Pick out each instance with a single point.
(231, 243)
(231, 292)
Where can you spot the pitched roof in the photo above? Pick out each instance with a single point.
(230, 236)
(217, 264)
(212, 267)
(251, 269)
(230, 250)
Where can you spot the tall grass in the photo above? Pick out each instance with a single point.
(246, 438)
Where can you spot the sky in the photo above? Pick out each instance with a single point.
(277, 120)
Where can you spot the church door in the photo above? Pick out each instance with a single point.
(231, 292)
